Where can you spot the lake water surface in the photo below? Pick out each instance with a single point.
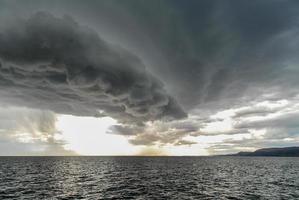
(149, 178)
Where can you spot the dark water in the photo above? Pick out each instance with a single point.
(149, 178)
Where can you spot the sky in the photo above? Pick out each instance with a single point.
(139, 77)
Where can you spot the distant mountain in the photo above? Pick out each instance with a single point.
(281, 152)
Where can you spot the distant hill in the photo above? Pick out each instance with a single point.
(281, 152)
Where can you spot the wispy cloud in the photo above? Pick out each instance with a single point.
(30, 132)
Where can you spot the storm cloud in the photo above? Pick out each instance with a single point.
(170, 72)
(54, 63)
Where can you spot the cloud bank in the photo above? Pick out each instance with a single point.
(229, 65)
(56, 64)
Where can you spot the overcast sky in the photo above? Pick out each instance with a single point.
(127, 77)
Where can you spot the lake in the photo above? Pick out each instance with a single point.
(149, 178)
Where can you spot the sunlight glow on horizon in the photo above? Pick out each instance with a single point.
(87, 136)
(92, 136)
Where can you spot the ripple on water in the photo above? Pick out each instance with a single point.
(149, 178)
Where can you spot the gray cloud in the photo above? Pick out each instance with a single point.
(125, 130)
(254, 111)
(269, 127)
(162, 133)
(222, 53)
(209, 54)
(283, 125)
(56, 64)
(264, 123)
(283, 120)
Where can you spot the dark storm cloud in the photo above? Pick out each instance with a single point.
(211, 55)
(208, 53)
(56, 64)
(225, 52)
